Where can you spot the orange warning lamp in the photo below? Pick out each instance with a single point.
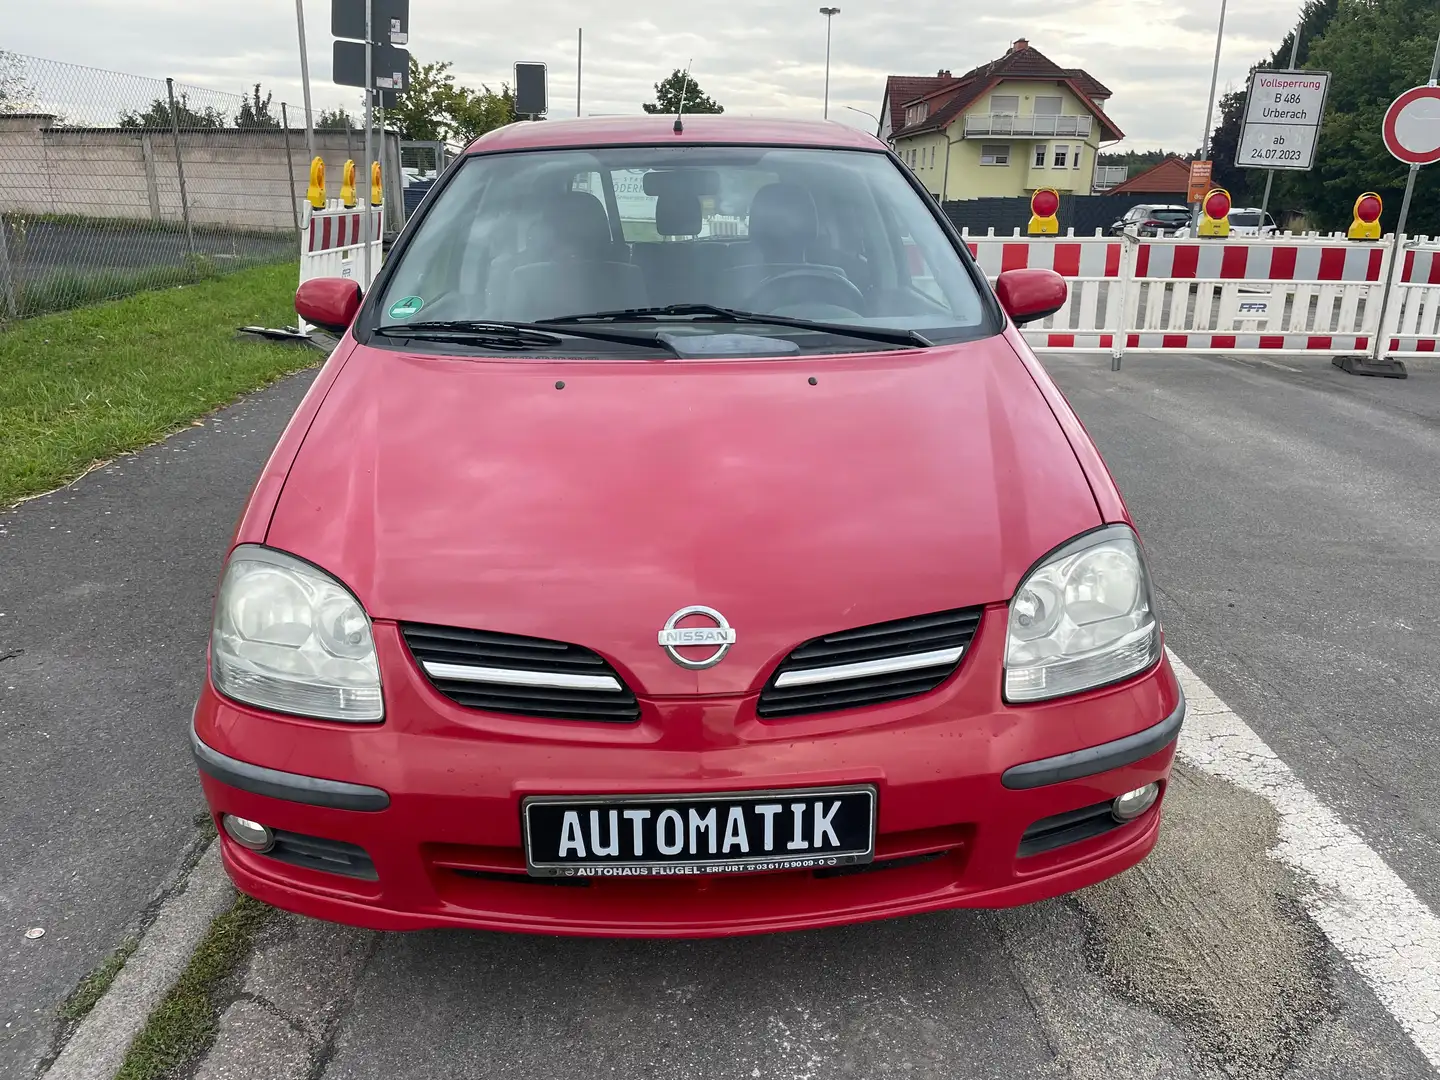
(1215, 213)
(1043, 206)
(347, 184)
(376, 196)
(316, 192)
(1366, 225)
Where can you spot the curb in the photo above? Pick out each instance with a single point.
(98, 1047)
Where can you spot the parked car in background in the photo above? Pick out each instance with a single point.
(1153, 219)
(1245, 221)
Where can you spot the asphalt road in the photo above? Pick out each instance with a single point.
(1292, 521)
(105, 594)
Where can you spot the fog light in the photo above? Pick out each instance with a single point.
(1134, 803)
(253, 835)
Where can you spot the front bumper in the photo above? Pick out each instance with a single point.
(432, 797)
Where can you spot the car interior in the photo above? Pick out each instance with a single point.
(806, 242)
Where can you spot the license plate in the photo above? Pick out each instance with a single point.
(725, 833)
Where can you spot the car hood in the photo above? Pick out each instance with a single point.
(588, 501)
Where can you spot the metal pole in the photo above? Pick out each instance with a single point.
(369, 135)
(829, 18)
(305, 80)
(1270, 173)
(1380, 341)
(9, 300)
(1209, 114)
(579, 58)
(290, 167)
(180, 165)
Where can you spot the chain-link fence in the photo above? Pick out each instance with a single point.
(113, 183)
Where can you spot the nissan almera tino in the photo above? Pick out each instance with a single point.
(681, 540)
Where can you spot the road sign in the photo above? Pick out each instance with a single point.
(1282, 120)
(391, 20)
(530, 97)
(1199, 180)
(390, 66)
(1412, 126)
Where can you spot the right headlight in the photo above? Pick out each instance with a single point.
(289, 637)
(1081, 619)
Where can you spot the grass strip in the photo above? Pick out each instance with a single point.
(86, 385)
(182, 1027)
(92, 988)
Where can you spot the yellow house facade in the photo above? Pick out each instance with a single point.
(1007, 128)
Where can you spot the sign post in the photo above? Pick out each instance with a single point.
(1411, 131)
(371, 59)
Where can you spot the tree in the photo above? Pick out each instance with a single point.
(337, 120)
(16, 93)
(668, 96)
(1375, 50)
(424, 110)
(255, 112)
(158, 116)
(474, 114)
(1225, 149)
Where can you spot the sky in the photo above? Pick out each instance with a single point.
(756, 57)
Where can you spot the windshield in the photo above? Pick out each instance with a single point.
(821, 235)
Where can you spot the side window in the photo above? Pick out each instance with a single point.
(1040, 156)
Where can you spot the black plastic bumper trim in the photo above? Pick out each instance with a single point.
(274, 784)
(1098, 759)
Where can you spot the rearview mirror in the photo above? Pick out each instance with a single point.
(330, 303)
(1027, 295)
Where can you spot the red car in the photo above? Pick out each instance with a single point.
(682, 541)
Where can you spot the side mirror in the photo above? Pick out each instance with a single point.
(1027, 295)
(330, 303)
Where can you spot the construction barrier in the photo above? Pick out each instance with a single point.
(332, 244)
(1317, 294)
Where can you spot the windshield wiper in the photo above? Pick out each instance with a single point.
(714, 313)
(513, 335)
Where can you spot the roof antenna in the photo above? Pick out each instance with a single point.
(684, 85)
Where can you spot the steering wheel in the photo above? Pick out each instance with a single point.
(806, 286)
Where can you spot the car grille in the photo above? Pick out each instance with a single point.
(525, 676)
(870, 665)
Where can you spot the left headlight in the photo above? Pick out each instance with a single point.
(1082, 619)
(289, 637)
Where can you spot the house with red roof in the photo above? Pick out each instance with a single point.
(1005, 128)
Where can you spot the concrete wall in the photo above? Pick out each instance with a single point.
(233, 179)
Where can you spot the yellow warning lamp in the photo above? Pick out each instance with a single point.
(316, 192)
(376, 197)
(347, 184)
(1215, 214)
(1043, 206)
(1366, 225)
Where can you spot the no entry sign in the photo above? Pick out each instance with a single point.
(1412, 126)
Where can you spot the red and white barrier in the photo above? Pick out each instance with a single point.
(332, 244)
(1245, 295)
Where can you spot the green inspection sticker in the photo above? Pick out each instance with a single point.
(405, 307)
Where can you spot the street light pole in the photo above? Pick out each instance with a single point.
(305, 79)
(829, 13)
(1209, 114)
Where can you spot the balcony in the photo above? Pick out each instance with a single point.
(1037, 126)
(1108, 176)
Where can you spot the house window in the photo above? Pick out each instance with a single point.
(1047, 106)
(1040, 156)
(994, 154)
(1007, 104)
(1075, 161)
(915, 113)
(1062, 156)
(932, 155)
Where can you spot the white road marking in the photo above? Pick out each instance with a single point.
(1369, 914)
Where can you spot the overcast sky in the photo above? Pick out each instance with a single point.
(754, 56)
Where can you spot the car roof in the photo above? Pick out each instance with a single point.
(696, 130)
